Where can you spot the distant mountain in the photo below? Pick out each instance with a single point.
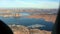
(39, 11)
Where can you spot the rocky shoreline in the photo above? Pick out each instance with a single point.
(20, 29)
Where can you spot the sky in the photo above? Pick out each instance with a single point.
(42, 4)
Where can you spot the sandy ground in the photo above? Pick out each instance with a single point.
(25, 30)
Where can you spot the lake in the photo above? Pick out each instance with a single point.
(28, 22)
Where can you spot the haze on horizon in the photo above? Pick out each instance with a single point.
(41, 4)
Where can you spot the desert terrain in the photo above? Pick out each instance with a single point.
(18, 29)
(47, 17)
(47, 14)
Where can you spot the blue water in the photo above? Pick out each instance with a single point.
(29, 21)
